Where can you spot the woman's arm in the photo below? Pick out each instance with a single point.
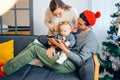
(75, 17)
(47, 19)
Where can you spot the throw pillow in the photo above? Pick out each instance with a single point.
(6, 51)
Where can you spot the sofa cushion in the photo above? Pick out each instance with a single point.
(29, 72)
(6, 48)
(44, 40)
(48, 74)
(87, 69)
(18, 75)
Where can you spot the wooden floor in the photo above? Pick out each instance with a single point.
(19, 32)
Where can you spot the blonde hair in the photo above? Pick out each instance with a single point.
(65, 23)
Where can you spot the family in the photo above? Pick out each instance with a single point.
(70, 37)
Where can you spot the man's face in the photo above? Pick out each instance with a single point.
(81, 23)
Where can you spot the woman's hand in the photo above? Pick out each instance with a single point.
(60, 44)
(56, 28)
(50, 52)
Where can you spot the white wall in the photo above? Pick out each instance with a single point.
(39, 7)
(107, 8)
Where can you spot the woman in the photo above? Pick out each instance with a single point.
(58, 12)
(86, 45)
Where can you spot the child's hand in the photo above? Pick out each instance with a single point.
(67, 44)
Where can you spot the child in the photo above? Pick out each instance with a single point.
(68, 38)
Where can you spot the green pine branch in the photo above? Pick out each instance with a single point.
(112, 48)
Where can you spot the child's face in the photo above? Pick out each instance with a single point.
(65, 30)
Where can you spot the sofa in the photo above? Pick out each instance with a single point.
(32, 72)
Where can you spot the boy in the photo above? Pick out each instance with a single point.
(67, 37)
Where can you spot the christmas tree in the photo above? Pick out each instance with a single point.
(110, 65)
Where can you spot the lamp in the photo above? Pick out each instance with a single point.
(5, 5)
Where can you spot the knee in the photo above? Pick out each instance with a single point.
(33, 46)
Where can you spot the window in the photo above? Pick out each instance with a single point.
(18, 20)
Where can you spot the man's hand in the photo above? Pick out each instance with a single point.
(75, 27)
(50, 52)
(59, 44)
(50, 42)
(57, 40)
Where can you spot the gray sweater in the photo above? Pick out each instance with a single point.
(86, 45)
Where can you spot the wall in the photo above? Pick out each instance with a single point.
(107, 7)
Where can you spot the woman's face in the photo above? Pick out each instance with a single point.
(58, 12)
